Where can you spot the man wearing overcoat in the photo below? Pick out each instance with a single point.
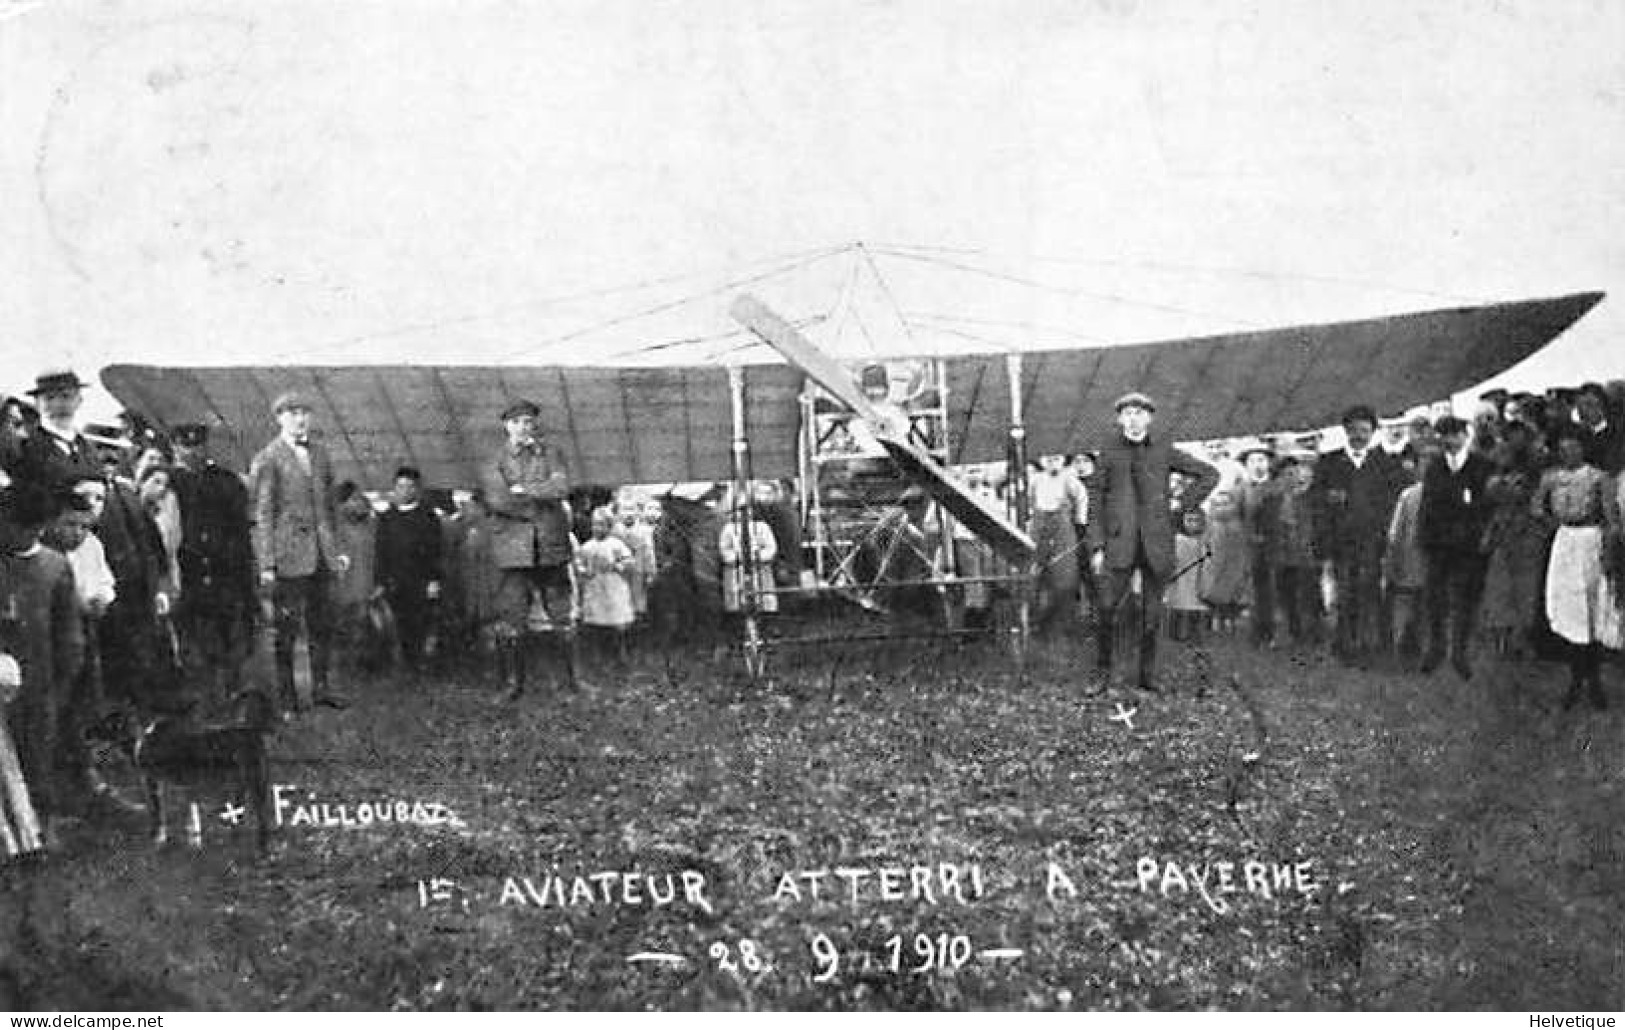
(526, 488)
(1353, 495)
(216, 559)
(1454, 513)
(1133, 529)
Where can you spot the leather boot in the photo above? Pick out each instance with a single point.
(567, 642)
(1594, 677)
(284, 679)
(1148, 659)
(510, 660)
(1105, 628)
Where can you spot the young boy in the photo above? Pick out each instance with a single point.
(40, 627)
(69, 533)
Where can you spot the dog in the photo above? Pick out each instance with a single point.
(173, 751)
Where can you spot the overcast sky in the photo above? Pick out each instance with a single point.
(313, 181)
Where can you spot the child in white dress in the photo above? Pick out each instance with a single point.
(604, 566)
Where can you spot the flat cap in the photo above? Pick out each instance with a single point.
(1134, 399)
(290, 400)
(521, 407)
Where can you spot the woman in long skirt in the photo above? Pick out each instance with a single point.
(1580, 601)
(1226, 585)
(1516, 541)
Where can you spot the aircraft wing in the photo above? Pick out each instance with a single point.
(670, 424)
(613, 425)
(1242, 384)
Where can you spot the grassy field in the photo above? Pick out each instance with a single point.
(1466, 840)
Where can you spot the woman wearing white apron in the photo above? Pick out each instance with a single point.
(1580, 601)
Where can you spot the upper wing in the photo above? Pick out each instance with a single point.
(1254, 382)
(632, 425)
(613, 425)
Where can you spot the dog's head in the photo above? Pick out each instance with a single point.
(117, 729)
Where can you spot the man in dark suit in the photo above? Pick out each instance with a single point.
(1132, 528)
(296, 545)
(1451, 523)
(1353, 495)
(216, 615)
(57, 455)
(59, 458)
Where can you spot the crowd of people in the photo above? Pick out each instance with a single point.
(1447, 536)
(144, 578)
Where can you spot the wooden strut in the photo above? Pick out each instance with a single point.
(19, 825)
(744, 513)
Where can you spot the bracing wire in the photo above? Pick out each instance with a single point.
(1067, 291)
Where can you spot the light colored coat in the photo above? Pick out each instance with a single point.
(529, 527)
(294, 534)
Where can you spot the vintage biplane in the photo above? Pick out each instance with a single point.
(762, 380)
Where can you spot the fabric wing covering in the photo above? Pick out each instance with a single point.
(672, 424)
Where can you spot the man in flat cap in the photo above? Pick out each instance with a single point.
(1133, 527)
(526, 489)
(296, 546)
(1353, 495)
(216, 617)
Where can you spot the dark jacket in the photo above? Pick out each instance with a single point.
(42, 460)
(217, 550)
(409, 549)
(1129, 500)
(1455, 505)
(135, 554)
(1353, 506)
(1602, 449)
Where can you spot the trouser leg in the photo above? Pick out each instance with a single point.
(319, 619)
(411, 621)
(1438, 605)
(289, 598)
(1468, 589)
(1151, 587)
(1114, 595)
(1263, 601)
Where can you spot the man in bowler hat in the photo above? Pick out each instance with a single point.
(296, 545)
(1353, 493)
(1133, 530)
